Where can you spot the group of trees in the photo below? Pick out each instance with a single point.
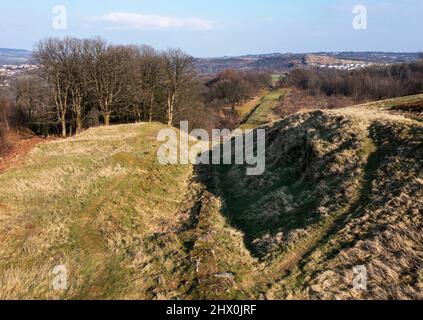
(232, 87)
(82, 82)
(79, 80)
(373, 83)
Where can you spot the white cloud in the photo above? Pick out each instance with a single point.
(152, 22)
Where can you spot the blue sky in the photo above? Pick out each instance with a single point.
(221, 27)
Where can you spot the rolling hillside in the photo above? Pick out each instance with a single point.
(342, 188)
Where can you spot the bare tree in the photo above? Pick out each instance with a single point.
(150, 76)
(178, 73)
(4, 109)
(33, 104)
(4, 121)
(78, 79)
(2, 82)
(52, 56)
(108, 70)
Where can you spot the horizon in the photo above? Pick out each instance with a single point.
(205, 30)
(269, 53)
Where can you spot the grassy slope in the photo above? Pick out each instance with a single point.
(394, 102)
(91, 203)
(326, 175)
(126, 227)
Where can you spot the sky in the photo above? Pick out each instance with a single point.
(212, 28)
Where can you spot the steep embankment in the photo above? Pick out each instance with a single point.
(341, 189)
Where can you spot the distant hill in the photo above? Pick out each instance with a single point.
(276, 62)
(284, 62)
(14, 56)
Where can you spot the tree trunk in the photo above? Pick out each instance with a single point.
(151, 106)
(170, 116)
(63, 123)
(150, 114)
(6, 121)
(138, 114)
(106, 117)
(78, 123)
(170, 111)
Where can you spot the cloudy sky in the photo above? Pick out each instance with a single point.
(208, 28)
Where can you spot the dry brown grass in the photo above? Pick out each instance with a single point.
(77, 203)
(297, 100)
(342, 188)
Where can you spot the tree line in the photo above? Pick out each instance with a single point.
(90, 73)
(373, 83)
(80, 83)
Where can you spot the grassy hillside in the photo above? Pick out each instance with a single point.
(93, 203)
(342, 188)
(123, 225)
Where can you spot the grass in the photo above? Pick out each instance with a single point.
(394, 102)
(341, 188)
(124, 226)
(245, 109)
(263, 113)
(267, 209)
(276, 78)
(89, 203)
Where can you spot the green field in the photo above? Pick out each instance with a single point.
(264, 112)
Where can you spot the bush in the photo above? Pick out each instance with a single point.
(232, 87)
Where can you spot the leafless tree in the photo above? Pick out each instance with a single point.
(150, 75)
(78, 79)
(4, 121)
(178, 73)
(108, 70)
(55, 66)
(32, 101)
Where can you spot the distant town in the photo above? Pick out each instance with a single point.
(14, 61)
(349, 66)
(8, 71)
